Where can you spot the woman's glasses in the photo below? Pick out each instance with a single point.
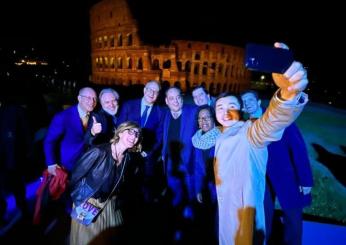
(134, 132)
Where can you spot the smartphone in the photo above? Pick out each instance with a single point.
(268, 59)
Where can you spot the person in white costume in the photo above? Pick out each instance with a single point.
(241, 155)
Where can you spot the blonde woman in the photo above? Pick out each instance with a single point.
(101, 175)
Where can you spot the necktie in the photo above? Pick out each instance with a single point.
(85, 120)
(144, 116)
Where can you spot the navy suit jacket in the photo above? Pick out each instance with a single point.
(186, 165)
(187, 129)
(152, 131)
(288, 168)
(64, 142)
(204, 178)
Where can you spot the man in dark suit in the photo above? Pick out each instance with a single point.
(289, 177)
(177, 153)
(65, 139)
(149, 116)
(103, 124)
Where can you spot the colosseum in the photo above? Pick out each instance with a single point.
(120, 57)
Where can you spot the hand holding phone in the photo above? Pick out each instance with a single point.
(268, 59)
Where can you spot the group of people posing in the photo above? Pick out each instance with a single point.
(217, 165)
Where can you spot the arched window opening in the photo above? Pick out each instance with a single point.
(166, 64)
(188, 66)
(129, 40)
(156, 65)
(120, 40)
(140, 64)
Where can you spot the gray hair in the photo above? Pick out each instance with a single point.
(109, 90)
(153, 81)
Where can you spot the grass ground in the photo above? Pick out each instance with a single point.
(326, 126)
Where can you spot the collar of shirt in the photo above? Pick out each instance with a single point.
(81, 112)
(177, 114)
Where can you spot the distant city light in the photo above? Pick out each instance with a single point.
(31, 62)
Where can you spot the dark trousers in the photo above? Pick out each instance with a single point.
(286, 231)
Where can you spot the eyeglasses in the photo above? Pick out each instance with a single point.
(87, 98)
(204, 119)
(134, 132)
(152, 91)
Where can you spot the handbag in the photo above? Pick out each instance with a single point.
(87, 212)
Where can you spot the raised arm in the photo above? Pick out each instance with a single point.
(285, 106)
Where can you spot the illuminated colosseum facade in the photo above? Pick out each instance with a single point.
(119, 56)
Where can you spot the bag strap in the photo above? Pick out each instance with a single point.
(116, 184)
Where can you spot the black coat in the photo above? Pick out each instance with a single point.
(109, 124)
(94, 168)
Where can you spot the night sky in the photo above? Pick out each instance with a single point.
(61, 27)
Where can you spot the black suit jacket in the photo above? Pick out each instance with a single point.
(108, 128)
